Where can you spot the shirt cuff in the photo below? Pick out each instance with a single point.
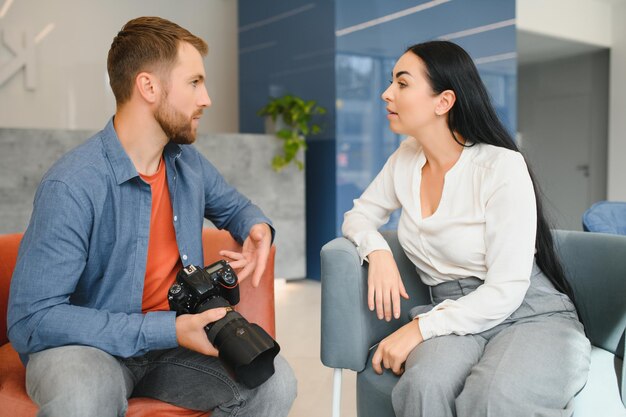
(161, 330)
(242, 233)
(371, 242)
(433, 323)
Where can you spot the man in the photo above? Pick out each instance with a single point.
(113, 222)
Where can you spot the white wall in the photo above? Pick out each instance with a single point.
(72, 90)
(563, 121)
(617, 113)
(584, 21)
(600, 23)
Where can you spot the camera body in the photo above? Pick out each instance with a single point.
(195, 288)
(245, 349)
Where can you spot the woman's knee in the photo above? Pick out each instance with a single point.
(436, 370)
(427, 384)
(497, 396)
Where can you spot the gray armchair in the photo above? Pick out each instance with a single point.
(595, 265)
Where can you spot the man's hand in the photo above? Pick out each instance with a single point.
(393, 350)
(253, 258)
(384, 285)
(190, 330)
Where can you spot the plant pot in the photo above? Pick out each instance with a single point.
(272, 127)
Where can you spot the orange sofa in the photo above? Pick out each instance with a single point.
(257, 305)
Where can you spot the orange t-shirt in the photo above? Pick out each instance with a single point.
(163, 258)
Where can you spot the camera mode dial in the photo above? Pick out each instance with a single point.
(228, 278)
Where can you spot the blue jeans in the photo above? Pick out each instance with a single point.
(84, 381)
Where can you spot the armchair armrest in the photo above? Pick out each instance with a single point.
(349, 329)
(9, 245)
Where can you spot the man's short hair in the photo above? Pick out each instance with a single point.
(145, 44)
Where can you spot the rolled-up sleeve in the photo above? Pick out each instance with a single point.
(227, 208)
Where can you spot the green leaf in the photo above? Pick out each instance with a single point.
(278, 163)
(284, 133)
(296, 113)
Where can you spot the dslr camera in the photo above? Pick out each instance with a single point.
(245, 349)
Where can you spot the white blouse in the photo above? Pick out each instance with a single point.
(484, 227)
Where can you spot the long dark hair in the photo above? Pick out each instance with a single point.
(449, 67)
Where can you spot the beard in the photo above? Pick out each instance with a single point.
(178, 127)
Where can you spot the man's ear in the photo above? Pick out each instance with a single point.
(446, 100)
(148, 86)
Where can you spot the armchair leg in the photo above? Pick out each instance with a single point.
(336, 392)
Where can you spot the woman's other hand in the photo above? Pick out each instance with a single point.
(384, 285)
(393, 350)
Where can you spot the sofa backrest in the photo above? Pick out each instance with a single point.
(9, 245)
(595, 266)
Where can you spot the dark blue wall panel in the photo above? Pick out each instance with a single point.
(288, 46)
(285, 46)
(341, 53)
(371, 35)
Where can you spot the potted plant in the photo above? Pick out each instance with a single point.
(292, 118)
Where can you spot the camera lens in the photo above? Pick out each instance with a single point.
(245, 349)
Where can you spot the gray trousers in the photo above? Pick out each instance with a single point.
(84, 382)
(532, 364)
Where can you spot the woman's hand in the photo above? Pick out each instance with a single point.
(384, 285)
(393, 350)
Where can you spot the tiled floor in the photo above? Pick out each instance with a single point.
(298, 332)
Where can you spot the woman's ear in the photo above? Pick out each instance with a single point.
(148, 86)
(446, 100)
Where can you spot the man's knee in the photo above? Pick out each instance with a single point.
(76, 380)
(283, 386)
(277, 393)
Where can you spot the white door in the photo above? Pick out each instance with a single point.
(557, 144)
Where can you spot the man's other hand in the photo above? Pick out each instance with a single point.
(253, 257)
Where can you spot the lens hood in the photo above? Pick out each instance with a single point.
(247, 351)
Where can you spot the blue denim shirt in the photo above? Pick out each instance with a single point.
(82, 261)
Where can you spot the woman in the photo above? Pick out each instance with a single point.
(502, 337)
